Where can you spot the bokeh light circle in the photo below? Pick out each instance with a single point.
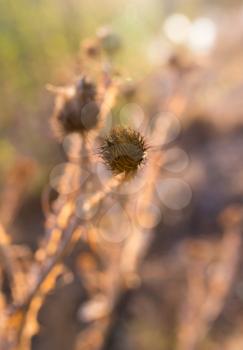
(174, 193)
(115, 225)
(176, 160)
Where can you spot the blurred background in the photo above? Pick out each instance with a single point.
(193, 47)
(40, 42)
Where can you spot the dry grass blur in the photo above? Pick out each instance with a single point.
(93, 259)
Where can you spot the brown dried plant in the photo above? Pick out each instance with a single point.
(80, 114)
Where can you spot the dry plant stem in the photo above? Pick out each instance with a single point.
(205, 301)
(45, 274)
(10, 265)
(107, 104)
(5, 259)
(60, 218)
(136, 245)
(52, 262)
(134, 250)
(112, 184)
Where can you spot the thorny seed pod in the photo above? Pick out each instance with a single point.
(109, 40)
(76, 111)
(124, 150)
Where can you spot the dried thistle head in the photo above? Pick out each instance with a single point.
(77, 111)
(91, 48)
(124, 150)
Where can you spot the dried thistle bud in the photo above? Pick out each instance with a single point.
(109, 40)
(76, 111)
(124, 150)
(128, 90)
(91, 48)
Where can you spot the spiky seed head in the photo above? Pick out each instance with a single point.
(123, 150)
(77, 112)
